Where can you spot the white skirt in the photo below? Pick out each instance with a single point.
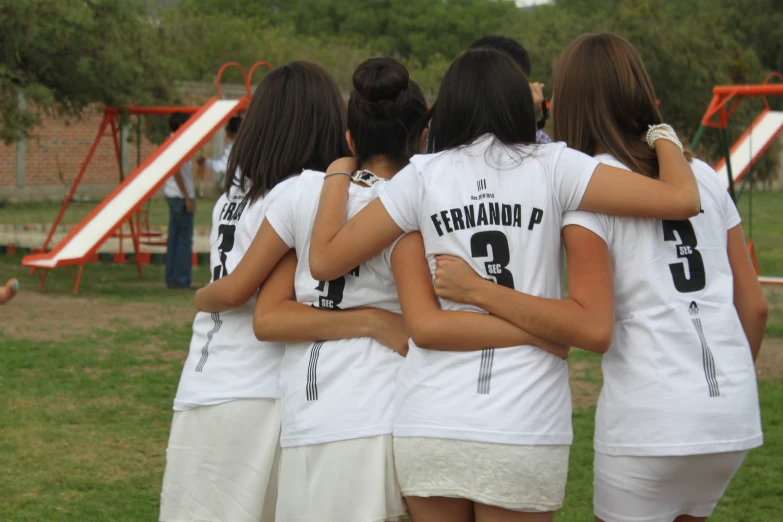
(344, 481)
(222, 463)
(517, 478)
(660, 489)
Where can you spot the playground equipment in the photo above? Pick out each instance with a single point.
(738, 160)
(125, 202)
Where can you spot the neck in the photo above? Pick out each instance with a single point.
(600, 150)
(379, 166)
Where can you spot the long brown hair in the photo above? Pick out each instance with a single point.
(295, 121)
(603, 97)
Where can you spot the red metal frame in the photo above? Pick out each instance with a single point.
(731, 95)
(725, 100)
(110, 121)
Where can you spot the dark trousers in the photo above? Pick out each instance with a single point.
(179, 254)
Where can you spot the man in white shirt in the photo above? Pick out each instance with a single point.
(220, 165)
(180, 198)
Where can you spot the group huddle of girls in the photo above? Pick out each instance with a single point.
(306, 396)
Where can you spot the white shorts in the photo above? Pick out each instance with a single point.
(517, 478)
(345, 481)
(659, 489)
(222, 463)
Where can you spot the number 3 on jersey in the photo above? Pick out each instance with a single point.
(696, 280)
(334, 295)
(501, 256)
(226, 234)
(480, 243)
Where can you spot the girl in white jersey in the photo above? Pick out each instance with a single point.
(337, 397)
(486, 434)
(222, 449)
(679, 408)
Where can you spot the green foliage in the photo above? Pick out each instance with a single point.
(66, 55)
(70, 53)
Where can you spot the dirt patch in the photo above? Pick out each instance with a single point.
(40, 317)
(769, 364)
(585, 380)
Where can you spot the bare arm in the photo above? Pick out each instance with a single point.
(585, 320)
(336, 246)
(235, 289)
(748, 296)
(436, 329)
(278, 317)
(674, 196)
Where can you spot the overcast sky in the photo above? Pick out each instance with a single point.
(528, 3)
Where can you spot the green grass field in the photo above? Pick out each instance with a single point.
(46, 211)
(87, 382)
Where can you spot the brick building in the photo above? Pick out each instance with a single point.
(44, 166)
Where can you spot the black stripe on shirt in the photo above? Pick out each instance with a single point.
(205, 350)
(311, 387)
(485, 371)
(708, 361)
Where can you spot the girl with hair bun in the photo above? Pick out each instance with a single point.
(338, 395)
(485, 435)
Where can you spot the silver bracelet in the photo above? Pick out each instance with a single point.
(338, 174)
(662, 132)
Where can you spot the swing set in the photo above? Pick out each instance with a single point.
(738, 160)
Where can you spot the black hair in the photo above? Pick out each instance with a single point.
(507, 45)
(480, 95)
(296, 121)
(177, 120)
(232, 127)
(382, 110)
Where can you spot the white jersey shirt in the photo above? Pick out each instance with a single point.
(219, 165)
(171, 189)
(226, 362)
(679, 377)
(500, 209)
(344, 389)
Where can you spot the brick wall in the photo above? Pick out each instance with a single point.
(55, 154)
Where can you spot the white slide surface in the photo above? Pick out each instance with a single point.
(140, 185)
(751, 145)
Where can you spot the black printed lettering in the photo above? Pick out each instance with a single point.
(506, 215)
(535, 218)
(517, 216)
(437, 224)
(470, 216)
(444, 215)
(230, 212)
(482, 216)
(456, 218)
(494, 213)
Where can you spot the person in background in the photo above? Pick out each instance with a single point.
(8, 291)
(218, 166)
(519, 54)
(180, 198)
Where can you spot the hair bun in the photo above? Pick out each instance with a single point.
(380, 79)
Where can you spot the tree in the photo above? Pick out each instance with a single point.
(64, 56)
